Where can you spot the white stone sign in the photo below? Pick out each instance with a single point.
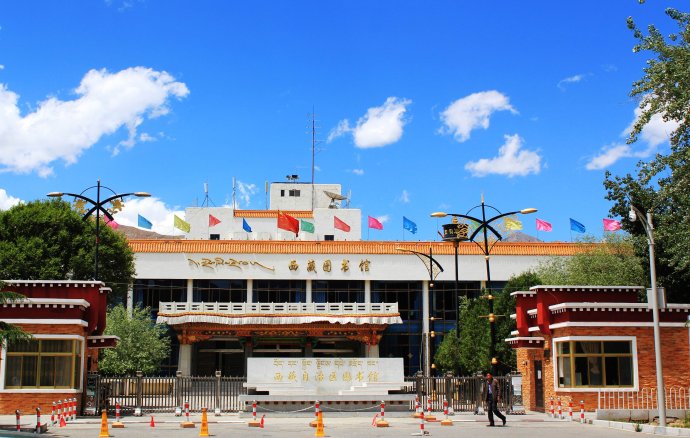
(332, 376)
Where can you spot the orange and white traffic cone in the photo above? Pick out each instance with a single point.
(104, 425)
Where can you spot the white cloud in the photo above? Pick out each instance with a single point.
(570, 80)
(245, 193)
(404, 197)
(2, 67)
(63, 130)
(358, 172)
(655, 132)
(383, 219)
(380, 126)
(511, 161)
(7, 201)
(146, 137)
(609, 155)
(472, 112)
(153, 209)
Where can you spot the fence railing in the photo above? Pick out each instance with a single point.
(221, 393)
(279, 308)
(677, 397)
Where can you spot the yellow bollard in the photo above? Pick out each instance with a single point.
(319, 425)
(104, 425)
(204, 423)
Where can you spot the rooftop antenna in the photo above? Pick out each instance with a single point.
(207, 201)
(234, 205)
(314, 142)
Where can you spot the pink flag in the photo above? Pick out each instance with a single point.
(375, 224)
(543, 225)
(111, 223)
(611, 225)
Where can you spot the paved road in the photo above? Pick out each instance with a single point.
(530, 426)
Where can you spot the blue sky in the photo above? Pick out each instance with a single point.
(421, 106)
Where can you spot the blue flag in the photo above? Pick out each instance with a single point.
(576, 226)
(245, 226)
(409, 225)
(142, 222)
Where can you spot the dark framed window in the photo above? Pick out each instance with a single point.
(337, 291)
(294, 193)
(595, 364)
(148, 293)
(44, 363)
(220, 291)
(279, 291)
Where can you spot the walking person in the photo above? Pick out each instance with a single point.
(492, 397)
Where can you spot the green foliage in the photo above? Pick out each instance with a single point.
(143, 344)
(610, 263)
(47, 240)
(10, 333)
(662, 185)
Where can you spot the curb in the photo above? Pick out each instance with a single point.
(646, 428)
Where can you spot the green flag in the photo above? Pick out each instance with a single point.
(307, 227)
(182, 225)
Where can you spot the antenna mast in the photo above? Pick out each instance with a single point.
(314, 142)
(234, 206)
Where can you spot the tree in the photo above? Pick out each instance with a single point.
(662, 185)
(10, 333)
(47, 240)
(143, 344)
(610, 263)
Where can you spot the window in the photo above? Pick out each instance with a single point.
(337, 291)
(294, 193)
(43, 363)
(214, 237)
(594, 363)
(280, 291)
(220, 291)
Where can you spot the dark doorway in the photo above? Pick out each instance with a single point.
(538, 386)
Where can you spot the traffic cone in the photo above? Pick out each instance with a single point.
(204, 423)
(63, 423)
(104, 425)
(261, 425)
(319, 426)
(152, 423)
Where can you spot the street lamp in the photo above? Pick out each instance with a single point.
(484, 226)
(434, 268)
(98, 208)
(648, 226)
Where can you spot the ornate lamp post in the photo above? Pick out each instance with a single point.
(484, 226)
(434, 268)
(98, 208)
(648, 226)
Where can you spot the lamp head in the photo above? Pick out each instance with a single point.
(55, 194)
(632, 215)
(528, 210)
(142, 194)
(439, 214)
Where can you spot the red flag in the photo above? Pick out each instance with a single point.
(375, 224)
(543, 225)
(340, 225)
(288, 223)
(212, 220)
(111, 223)
(611, 225)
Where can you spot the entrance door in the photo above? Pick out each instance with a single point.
(538, 386)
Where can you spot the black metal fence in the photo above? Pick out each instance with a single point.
(221, 393)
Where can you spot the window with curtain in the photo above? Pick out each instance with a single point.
(593, 363)
(43, 363)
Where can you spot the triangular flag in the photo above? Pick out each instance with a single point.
(306, 226)
(245, 226)
(611, 225)
(212, 220)
(181, 225)
(288, 223)
(375, 223)
(543, 225)
(512, 224)
(340, 225)
(142, 222)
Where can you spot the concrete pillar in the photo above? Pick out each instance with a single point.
(250, 290)
(308, 298)
(425, 328)
(367, 291)
(190, 290)
(130, 299)
(373, 350)
(184, 362)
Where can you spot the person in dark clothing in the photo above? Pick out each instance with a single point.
(492, 396)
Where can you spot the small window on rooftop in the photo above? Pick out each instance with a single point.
(294, 193)
(214, 237)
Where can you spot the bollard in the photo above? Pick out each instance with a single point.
(118, 424)
(254, 422)
(52, 415)
(417, 407)
(74, 408)
(551, 411)
(59, 409)
(186, 424)
(582, 411)
(446, 421)
(38, 420)
(560, 409)
(382, 421)
(429, 416)
(422, 432)
(19, 424)
(104, 425)
(317, 409)
(570, 410)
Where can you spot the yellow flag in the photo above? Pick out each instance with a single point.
(182, 225)
(512, 224)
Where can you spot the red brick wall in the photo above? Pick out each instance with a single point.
(675, 356)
